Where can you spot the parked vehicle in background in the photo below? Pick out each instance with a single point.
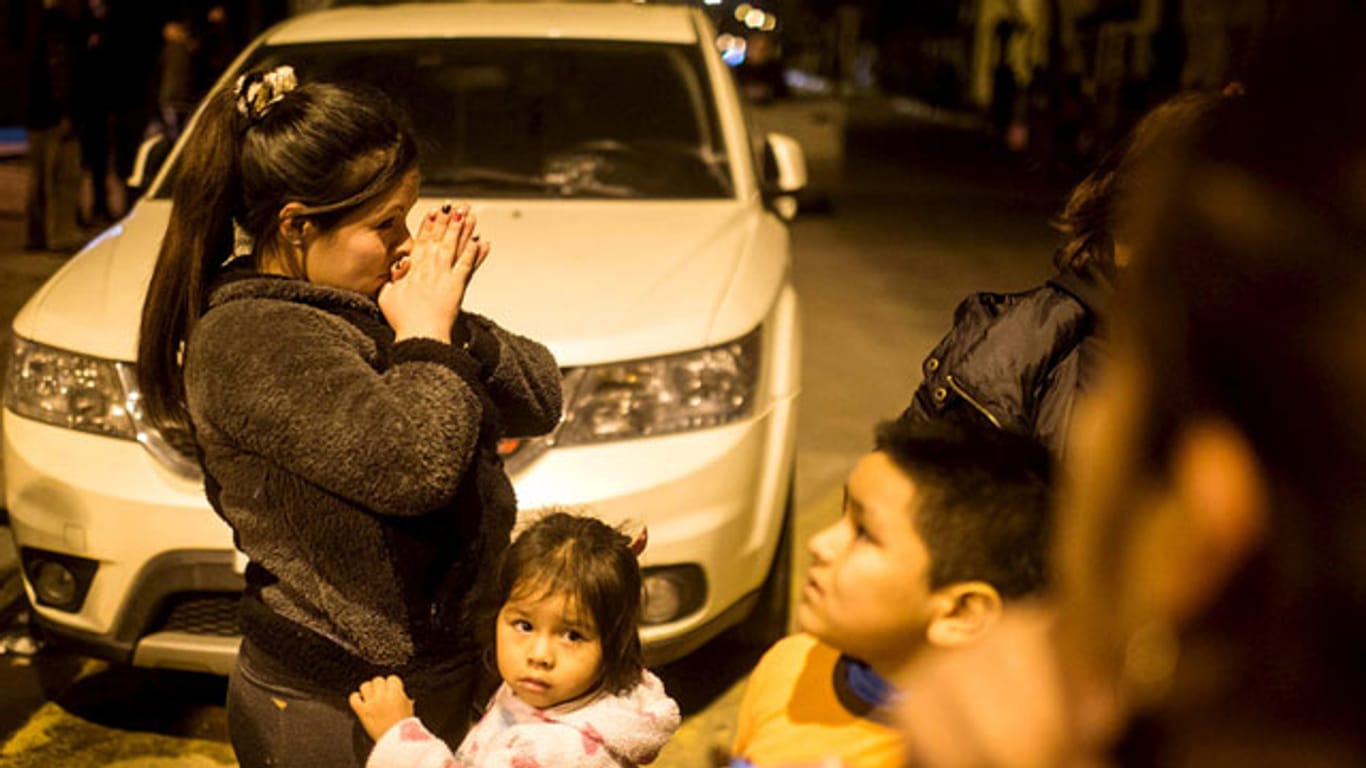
(794, 103)
(636, 233)
(817, 122)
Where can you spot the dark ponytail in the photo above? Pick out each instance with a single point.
(331, 148)
(198, 239)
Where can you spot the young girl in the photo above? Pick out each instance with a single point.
(575, 691)
(345, 408)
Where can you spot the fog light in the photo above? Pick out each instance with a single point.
(54, 583)
(58, 581)
(672, 593)
(662, 600)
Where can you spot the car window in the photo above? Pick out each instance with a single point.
(539, 118)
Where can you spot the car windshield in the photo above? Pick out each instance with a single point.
(538, 118)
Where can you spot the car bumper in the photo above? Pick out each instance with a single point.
(713, 498)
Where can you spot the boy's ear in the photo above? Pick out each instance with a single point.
(961, 613)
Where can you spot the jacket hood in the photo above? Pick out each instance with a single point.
(634, 726)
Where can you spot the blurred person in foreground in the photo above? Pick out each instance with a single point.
(1018, 361)
(1212, 593)
(941, 527)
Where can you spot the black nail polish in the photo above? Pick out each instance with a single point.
(446, 208)
(475, 238)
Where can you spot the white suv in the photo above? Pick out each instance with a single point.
(636, 233)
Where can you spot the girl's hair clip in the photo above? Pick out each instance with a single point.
(258, 91)
(639, 542)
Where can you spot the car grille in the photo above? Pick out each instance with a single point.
(214, 614)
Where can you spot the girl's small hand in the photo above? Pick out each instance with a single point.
(427, 287)
(380, 704)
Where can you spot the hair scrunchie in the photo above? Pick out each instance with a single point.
(258, 91)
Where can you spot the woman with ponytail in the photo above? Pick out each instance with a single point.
(344, 407)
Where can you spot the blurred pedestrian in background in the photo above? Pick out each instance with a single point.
(53, 147)
(96, 70)
(1213, 574)
(761, 76)
(218, 45)
(175, 96)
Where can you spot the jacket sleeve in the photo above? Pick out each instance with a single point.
(290, 384)
(924, 406)
(408, 744)
(918, 411)
(522, 377)
(956, 387)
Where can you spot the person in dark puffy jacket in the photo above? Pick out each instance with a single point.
(1018, 360)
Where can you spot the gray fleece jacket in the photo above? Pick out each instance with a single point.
(360, 475)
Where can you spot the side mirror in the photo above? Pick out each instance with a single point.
(784, 174)
(151, 155)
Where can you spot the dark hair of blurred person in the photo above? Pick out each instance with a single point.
(1094, 217)
(1018, 360)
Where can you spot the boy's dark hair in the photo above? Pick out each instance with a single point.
(982, 505)
(592, 562)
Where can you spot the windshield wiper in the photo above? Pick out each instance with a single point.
(559, 186)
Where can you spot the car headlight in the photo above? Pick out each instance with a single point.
(67, 389)
(687, 391)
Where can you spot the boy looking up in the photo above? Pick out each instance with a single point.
(941, 527)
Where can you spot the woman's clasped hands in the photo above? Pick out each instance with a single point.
(427, 285)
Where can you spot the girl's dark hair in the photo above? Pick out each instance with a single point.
(593, 563)
(1099, 204)
(332, 148)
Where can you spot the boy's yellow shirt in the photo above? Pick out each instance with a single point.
(791, 715)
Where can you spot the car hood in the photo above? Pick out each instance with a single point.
(594, 280)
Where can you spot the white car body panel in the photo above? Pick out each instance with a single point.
(818, 124)
(473, 20)
(671, 265)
